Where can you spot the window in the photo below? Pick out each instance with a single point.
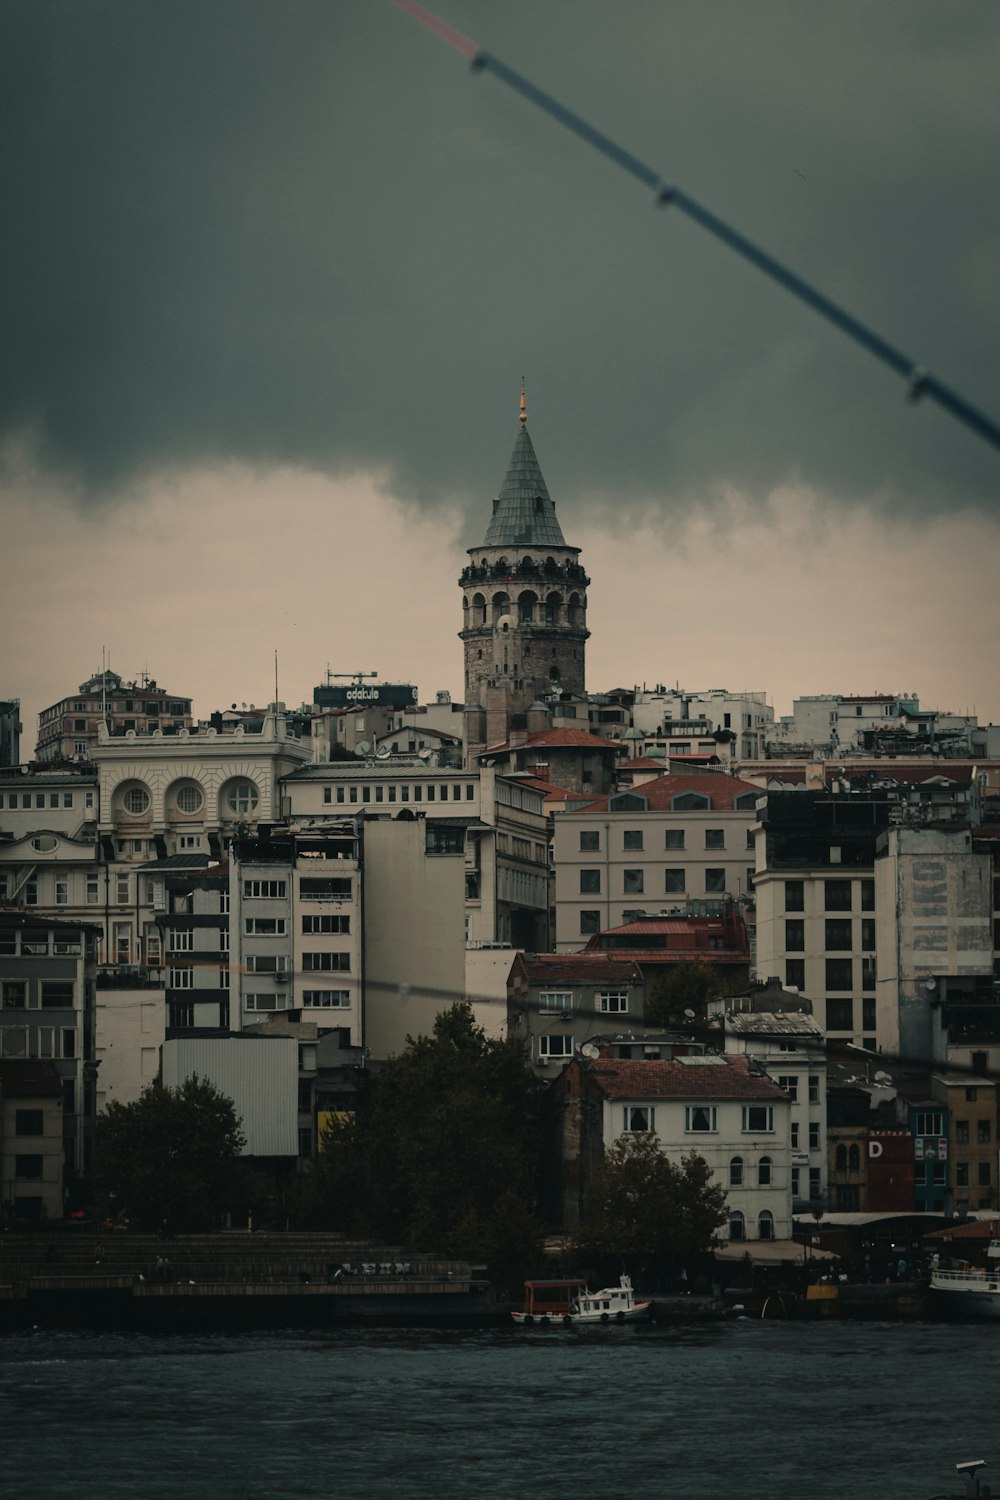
(633, 882)
(323, 923)
(736, 1171)
(590, 922)
(589, 840)
(983, 1132)
(715, 838)
(632, 838)
(814, 1135)
(612, 1002)
(690, 802)
(30, 896)
(868, 975)
(961, 1132)
(590, 882)
(29, 1122)
(639, 1118)
(790, 1084)
(795, 973)
(69, 1045)
(737, 1225)
(837, 895)
(189, 799)
(795, 935)
(814, 1183)
(326, 963)
(814, 1088)
(13, 1041)
(868, 934)
(750, 840)
(795, 1182)
(765, 1168)
(984, 1174)
(928, 1122)
(715, 881)
(242, 797)
(326, 999)
(674, 838)
(854, 1159)
(183, 979)
(269, 926)
(136, 800)
(29, 1167)
(765, 1224)
(14, 993)
(267, 963)
(700, 1118)
(62, 892)
(867, 895)
(180, 1017)
(57, 994)
(758, 1119)
(92, 891)
(795, 895)
(840, 1015)
(971, 1095)
(443, 840)
(555, 1000)
(839, 974)
(258, 1000)
(555, 1046)
(839, 935)
(962, 1174)
(121, 890)
(325, 888)
(674, 882)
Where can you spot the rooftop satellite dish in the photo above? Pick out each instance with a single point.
(362, 747)
(590, 1050)
(931, 985)
(690, 1015)
(383, 752)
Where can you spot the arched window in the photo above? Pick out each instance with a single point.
(736, 1172)
(690, 801)
(136, 801)
(764, 1171)
(526, 607)
(840, 1159)
(855, 1159)
(479, 609)
(553, 608)
(746, 801)
(501, 604)
(765, 1224)
(242, 797)
(737, 1225)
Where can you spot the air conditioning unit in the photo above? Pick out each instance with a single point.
(281, 978)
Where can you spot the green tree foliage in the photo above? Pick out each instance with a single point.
(174, 1155)
(443, 1150)
(642, 1204)
(686, 987)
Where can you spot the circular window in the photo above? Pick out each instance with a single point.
(243, 797)
(136, 800)
(44, 843)
(189, 799)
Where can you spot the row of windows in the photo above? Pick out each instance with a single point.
(55, 994)
(609, 1002)
(738, 1225)
(984, 1131)
(13, 800)
(699, 1119)
(814, 1133)
(311, 888)
(48, 1041)
(790, 1083)
(838, 895)
(633, 838)
(984, 1173)
(418, 792)
(838, 935)
(840, 1014)
(674, 882)
(36, 942)
(838, 973)
(311, 1000)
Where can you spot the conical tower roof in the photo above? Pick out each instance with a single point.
(524, 515)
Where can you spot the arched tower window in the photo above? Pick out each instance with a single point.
(501, 606)
(526, 606)
(478, 609)
(553, 608)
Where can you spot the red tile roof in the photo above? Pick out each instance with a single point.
(581, 968)
(720, 789)
(724, 1078)
(558, 739)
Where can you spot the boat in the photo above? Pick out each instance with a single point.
(571, 1303)
(966, 1291)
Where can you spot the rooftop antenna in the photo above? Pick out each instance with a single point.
(276, 680)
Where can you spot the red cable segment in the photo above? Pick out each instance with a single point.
(440, 28)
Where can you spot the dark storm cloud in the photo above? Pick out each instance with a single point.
(308, 233)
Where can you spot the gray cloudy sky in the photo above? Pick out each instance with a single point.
(303, 239)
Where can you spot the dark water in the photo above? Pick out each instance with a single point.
(749, 1409)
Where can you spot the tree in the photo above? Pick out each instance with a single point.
(173, 1154)
(686, 987)
(641, 1203)
(440, 1134)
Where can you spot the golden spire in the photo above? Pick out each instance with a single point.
(524, 404)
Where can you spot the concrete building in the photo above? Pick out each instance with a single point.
(833, 724)
(558, 1003)
(716, 1107)
(524, 604)
(68, 730)
(653, 847)
(258, 1072)
(31, 1141)
(10, 732)
(664, 716)
(129, 1030)
(48, 971)
(498, 820)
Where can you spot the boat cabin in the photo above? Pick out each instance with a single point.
(552, 1298)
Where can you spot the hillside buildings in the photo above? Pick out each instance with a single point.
(68, 730)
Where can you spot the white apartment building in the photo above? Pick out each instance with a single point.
(661, 844)
(746, 716)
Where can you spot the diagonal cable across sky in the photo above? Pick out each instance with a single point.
(920, 381)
